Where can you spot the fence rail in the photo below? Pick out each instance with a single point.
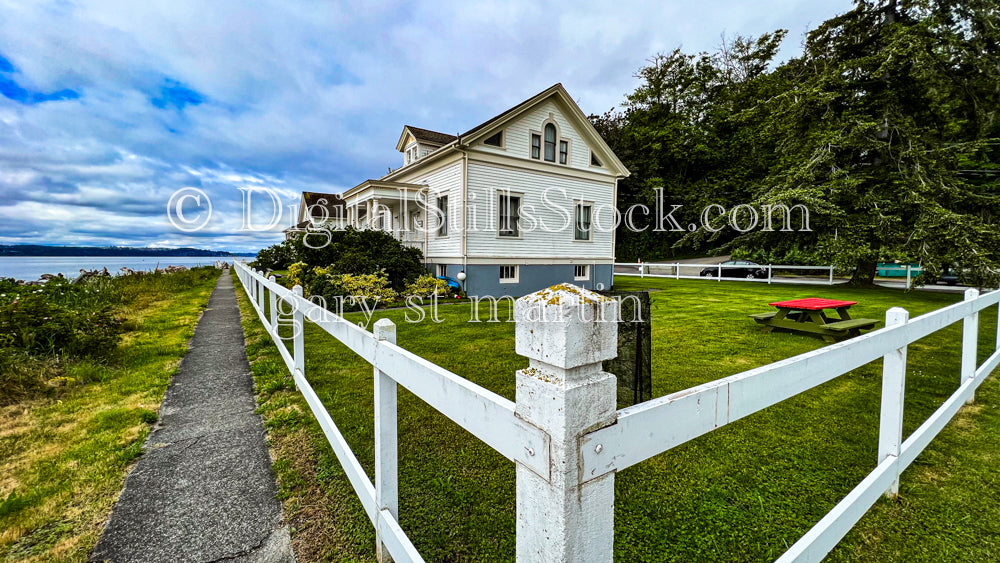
(673, 270)
(563, 433)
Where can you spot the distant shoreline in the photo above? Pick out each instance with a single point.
(32, 250)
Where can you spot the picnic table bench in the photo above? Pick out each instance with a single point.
(807, 315)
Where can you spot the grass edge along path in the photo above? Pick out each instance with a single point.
(742, 493)
(63, 460)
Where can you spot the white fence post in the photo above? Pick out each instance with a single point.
(831, 276)
(298, 336)
(998, 326)
(768, 274)
(565, 332)
(677, 271)
(260, 293)
(908, 276)
(273, 306)
(970, 339)
(890, 433)
(386, 440)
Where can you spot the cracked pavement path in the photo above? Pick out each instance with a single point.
(204, 489)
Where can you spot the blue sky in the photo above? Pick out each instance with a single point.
(107, 108)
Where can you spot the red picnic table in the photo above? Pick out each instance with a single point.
(806, 315)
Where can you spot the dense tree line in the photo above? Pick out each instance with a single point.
(885, 128)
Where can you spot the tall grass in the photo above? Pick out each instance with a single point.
(65, 451)
(48, 331)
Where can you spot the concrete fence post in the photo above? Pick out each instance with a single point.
(298, 335)
(565, 332)
(386, 440)
(273, 306)
(890, 433)
(970, 341)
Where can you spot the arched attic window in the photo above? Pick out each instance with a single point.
(550, 142)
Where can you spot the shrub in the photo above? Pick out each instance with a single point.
(297, 274)
(425, 286)
(350, 251)
(332, 286)
(37, 325)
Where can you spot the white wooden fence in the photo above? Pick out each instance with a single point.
(673, 270)
(564, 434)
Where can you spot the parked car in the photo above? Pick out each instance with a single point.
(948, 276)
(737, 269)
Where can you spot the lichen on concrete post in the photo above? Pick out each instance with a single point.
(565, 332)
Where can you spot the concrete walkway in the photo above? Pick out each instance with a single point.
(204, 489)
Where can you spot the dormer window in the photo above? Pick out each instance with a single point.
(411, 154)
(495, 140)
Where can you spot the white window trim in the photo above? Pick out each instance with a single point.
(576, 205)
(503, 141)
(586, 270)
(541, 145)
(517, 273)
(520, 215)
(437, 231)
(591, 161)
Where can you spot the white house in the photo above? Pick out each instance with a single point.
(520, 202)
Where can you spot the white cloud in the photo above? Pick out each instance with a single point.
(297, 95)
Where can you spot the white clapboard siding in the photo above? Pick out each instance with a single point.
(441, 181)
(486, 179)
(517, 142)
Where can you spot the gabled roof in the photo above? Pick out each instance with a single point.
(425, 136)
(313, 201)
(573, 113)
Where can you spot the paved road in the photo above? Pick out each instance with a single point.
(204, 489)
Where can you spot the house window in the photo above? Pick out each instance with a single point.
(536, 146)
(563, 151)
(594, 161)
(495, 139)
(550, 142)
(442, 270)
(583, 212)
(443, 208)
(508, 274)
(509, 215)
(581, 272)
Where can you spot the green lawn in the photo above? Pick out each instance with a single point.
(742, 493)
(64, 458)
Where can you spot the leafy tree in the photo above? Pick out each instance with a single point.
(885, 128)
(885, 103)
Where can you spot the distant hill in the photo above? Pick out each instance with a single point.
(45, 250)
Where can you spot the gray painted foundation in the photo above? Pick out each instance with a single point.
(484, 279)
